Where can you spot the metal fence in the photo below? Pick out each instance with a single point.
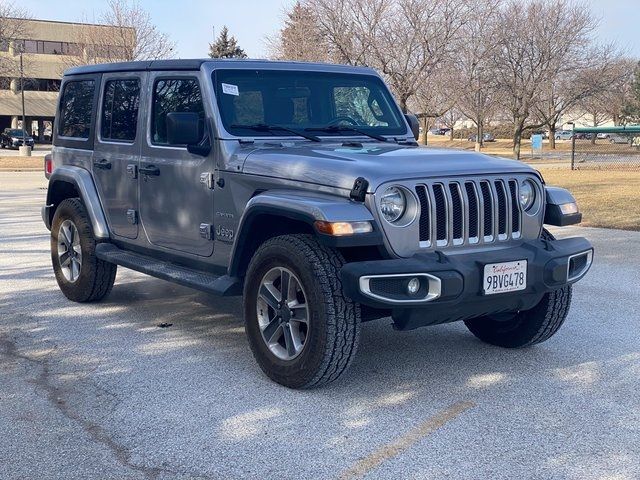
(613, 148)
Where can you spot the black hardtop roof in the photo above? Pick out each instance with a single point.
(195, 64)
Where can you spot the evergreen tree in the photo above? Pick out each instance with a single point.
(300, 38)
(631, 110)
(226, 46)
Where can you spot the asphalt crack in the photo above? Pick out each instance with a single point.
(58, 397)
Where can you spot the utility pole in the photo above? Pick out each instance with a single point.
(24, 118)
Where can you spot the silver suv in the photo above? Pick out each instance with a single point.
(300, 187)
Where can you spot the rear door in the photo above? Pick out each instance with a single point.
(176, 205)
(117, 150)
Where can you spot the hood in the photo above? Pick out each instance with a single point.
(336, 165)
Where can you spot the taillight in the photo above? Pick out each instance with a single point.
(48, 165)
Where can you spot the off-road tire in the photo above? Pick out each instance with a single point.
(334, 320)
(528, 327)
(96, 276)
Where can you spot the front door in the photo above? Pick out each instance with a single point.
(175, 205)
(117, 151)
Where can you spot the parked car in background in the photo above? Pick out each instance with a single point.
(602, 136)
(14, 138)
(486, 137)
(617, 138)
(544, 133)
(583, 136)
(564, 135)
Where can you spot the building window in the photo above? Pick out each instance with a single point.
(46, 47)
(120, 110)
(76, 105)
(174, 95)
(41, 85)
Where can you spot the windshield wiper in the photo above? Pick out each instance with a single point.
(347, 128)
(265, 127)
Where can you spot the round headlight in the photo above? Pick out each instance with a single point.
(393, 204)
(527, 194)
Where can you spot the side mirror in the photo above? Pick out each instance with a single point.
(183, 128)
(414, 124)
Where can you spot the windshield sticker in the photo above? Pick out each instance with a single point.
(230, 89)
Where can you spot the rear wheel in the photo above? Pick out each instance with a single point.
(81, 276)
(301, 329)
(522, 329)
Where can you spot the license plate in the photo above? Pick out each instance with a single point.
(505, 277)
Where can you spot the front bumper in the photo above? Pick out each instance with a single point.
(455, 282)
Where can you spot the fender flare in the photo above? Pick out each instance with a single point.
(83, 183)
(561, 208)
(306, 208)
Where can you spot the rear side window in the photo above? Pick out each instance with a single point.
(120, 110)
(174, 95)
(76, 106)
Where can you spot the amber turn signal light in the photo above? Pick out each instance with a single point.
(340, 229)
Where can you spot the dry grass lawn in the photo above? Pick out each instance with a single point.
(609, 199)
(21, 163)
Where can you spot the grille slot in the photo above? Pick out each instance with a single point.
(425, 231)
(487, 199)
(502, 207)
(473, 209)
(456, 210)
(454, 213)
(515, 211)
(441, 212)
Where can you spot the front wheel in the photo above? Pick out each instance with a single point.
(522, 329)
(301, 329)
(81, 276)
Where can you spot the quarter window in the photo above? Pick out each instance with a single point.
(76, 105)
(120, 110)
(174, 95)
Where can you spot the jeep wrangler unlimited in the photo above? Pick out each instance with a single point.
(300, 187)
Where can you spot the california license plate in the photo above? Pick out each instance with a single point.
(505, 277)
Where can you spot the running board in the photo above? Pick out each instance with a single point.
(223, 285)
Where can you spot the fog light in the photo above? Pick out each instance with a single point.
(413, 286)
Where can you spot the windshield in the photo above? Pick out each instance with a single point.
(313, 102)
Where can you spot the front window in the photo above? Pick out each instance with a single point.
(305, 101)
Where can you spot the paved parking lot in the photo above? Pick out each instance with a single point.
(100, 391)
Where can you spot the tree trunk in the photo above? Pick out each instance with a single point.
(594, 134)
(425, 129)
(479, 134)
(403, 103)
(552, 136)
(517, 141)
(451, 134)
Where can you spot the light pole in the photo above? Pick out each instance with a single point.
(24, 118)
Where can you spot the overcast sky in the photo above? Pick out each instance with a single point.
(190, 23)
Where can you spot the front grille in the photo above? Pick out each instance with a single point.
(468, 212)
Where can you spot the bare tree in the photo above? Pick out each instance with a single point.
(536, 42)
(404, 39)
(606, 103)
(472, 77)
(13, 28)
(126, 33)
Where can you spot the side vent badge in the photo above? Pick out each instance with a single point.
(206, 231)
(132, 216)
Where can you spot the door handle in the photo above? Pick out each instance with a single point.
(149, 170)
(102, 164)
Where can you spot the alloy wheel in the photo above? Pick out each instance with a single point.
(69, 251)
(283, 313)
